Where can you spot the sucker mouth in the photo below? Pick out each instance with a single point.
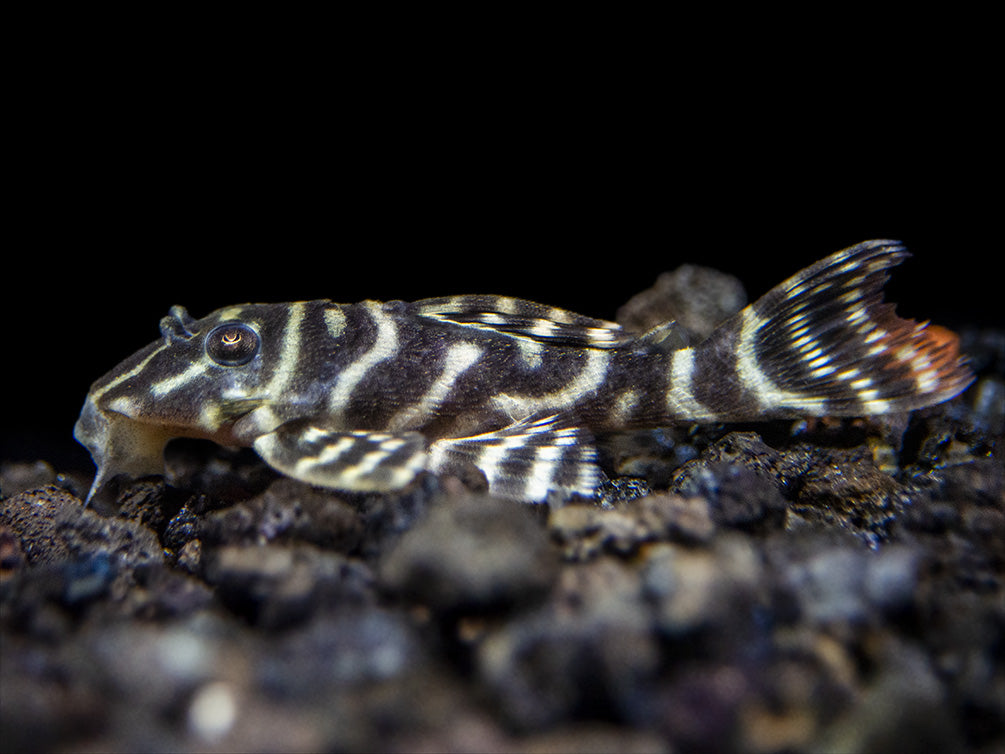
(119, 445)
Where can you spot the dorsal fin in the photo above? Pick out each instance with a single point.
(518, 318)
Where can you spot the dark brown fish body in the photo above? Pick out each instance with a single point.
(365, 396)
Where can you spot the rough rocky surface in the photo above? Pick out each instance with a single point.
(785, 587)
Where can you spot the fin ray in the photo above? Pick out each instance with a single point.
(528, 460)
(358, 461)
(518, 318)
(823, 342)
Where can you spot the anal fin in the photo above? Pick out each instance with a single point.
(528, 461)
(357, 461)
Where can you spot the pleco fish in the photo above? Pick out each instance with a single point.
(365, 396)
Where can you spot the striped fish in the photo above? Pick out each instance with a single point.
(365, 396)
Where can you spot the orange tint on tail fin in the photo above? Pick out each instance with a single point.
(824, 343)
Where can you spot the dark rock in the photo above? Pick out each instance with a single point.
(183, 528)
(350, 646)
(152, 502)
(471, 554)
(700, 710)
(589, 653)
(649, 455)
(387, 517)
(612, 492)
(19, 477)
(584, 531)
(847, 489)
(88, 578)
(223, 473)
(738, 496)
(189, 557)
(696, 298)
(946, 441)
(287, 511)
(46, 601)
(932, 516)
(12, 558)
(746, 449)
(840, 585)
(52, 525)
(903, 708)
(155, 671)
(51, 695)
(694, 589)
(276, 586)
(989, 405)
(589, 739)
(981, 481)
(985, 348)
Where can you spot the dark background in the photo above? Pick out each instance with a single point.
(135, 191)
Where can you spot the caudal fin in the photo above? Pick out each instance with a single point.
(824, 343)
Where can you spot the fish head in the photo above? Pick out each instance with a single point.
(198, 380)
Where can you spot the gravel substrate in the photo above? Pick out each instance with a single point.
(784, 587)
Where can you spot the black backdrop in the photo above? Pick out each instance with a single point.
(126, 206)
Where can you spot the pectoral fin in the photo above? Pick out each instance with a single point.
(525, 461)
(357, 461)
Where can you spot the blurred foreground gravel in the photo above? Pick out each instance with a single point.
(785, 587)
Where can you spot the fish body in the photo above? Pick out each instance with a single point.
(366, 396)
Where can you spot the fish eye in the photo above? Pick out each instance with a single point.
(232, 344)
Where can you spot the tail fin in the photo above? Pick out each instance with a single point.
(823, 343)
